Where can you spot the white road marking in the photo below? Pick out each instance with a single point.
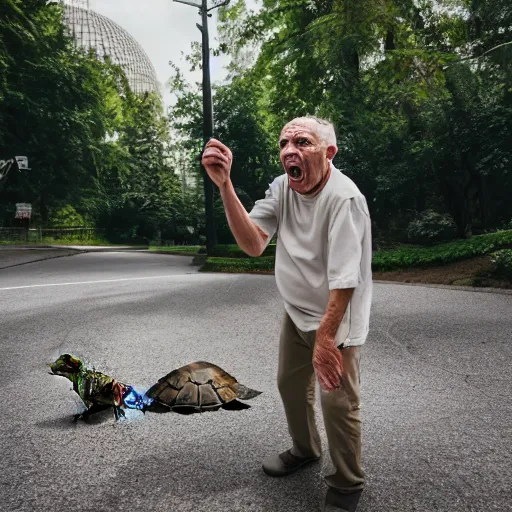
(233, 282)
(88, 282)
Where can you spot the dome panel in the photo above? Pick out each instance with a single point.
(92, 30)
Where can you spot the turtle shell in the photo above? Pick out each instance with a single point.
(195, 387)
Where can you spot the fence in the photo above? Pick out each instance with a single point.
(49, 235)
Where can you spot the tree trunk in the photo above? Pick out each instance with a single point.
(420, 192)
(483, 199)
(458, 203)
(389, 41)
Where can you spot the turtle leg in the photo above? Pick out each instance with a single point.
(95, 408)
(119, 413)
(235, 405)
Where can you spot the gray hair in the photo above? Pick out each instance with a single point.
(325, 128)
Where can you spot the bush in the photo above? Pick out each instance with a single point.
(265, 264)
(442, 254)
(431, 228)
(502, 261)
(67, 216)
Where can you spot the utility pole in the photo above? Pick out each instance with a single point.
(211, 236)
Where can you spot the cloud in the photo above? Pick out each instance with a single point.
(164, 29)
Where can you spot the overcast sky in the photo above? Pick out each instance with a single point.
(164, 29)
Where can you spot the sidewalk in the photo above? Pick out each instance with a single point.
(14, 255)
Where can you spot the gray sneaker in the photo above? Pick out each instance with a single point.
(285, 463)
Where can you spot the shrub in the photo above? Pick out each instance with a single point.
(265, 264)
(67, 216)
(441, 254)
(502, 261)
(430, 228)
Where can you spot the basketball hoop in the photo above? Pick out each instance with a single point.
(5, 165)
(22, 162)
(23, 210)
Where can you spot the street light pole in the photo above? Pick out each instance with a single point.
(207, 117)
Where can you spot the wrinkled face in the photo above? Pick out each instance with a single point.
(305, 157)
(65, 365)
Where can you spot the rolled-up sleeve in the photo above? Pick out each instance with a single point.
(347, 227)
(265, 212)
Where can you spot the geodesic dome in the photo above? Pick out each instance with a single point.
(95, 31)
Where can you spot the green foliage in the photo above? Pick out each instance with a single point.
(66, 216)
(423, 114)
(234, 260)
(420, 94)
(502, 262)
(92, 144)
(265, 264)
(239, 123)
(442, 254)
(90, 240)
(431, 227)
(176, 249)
(148, 184)
(52, 104)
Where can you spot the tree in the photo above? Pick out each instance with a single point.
(52, 105)
(421, 125)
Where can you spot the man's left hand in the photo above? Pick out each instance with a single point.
(328, 363)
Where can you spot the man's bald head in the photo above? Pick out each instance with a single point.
(323, 127)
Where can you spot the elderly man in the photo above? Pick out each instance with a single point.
(323, 272)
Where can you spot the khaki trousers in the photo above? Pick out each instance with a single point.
(340, 408)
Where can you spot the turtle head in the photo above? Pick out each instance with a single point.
(66, 365)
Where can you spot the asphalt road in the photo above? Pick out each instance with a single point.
(436, 393)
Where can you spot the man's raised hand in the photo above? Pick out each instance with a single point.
(217, 160)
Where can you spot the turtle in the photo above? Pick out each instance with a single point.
(198, 387)
(195, 387)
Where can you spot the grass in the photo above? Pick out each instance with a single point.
(263, 264)
(185, 250)
(75, 241)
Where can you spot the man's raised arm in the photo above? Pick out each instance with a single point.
(217, 160)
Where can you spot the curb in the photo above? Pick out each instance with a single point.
(42, 259)
(82, 250)
(172, 253)
(502, 291)
(92, 248)
(69, 251)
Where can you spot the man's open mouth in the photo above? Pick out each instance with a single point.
(295, 172)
